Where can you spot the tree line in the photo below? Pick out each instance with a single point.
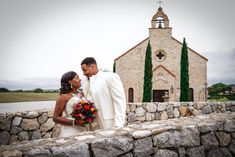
(220, 89)
(36, 90)
(221, 92)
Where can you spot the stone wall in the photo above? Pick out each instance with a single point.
(31, 125)
(28, 125)
(209, 135)
(144, 112)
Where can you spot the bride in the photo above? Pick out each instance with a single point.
(69, 95)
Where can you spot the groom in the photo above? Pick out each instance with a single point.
(106, 90)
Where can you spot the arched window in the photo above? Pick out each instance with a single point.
(191, 94)
(130, 95)
(160, 22)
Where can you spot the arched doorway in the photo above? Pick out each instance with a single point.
(191, 97)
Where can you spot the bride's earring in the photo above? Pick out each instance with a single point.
(71, 85)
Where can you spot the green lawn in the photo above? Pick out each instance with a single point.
(230, 97)
(24, 96)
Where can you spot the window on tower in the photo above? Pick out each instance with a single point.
(160, 22)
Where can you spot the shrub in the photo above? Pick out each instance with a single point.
(2, 89)
(38, 90)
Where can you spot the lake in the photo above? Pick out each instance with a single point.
(26, 106)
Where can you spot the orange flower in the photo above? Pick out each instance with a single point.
(80, 122)
(92, 109)
(82, 101)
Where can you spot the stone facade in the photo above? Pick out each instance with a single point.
(166, 54)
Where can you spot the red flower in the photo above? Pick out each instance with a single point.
(88, 119)
(86, 107)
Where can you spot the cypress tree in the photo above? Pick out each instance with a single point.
(114, 67)
(148, 74)
(184, 76)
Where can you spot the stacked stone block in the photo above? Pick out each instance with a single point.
(25, 126)
(145, 112)
(209, 135)
(31, 125)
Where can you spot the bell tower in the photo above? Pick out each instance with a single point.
(160, 29)
(160, 19)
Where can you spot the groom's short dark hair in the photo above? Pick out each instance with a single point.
(88, 61)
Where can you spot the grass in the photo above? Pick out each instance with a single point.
(6, 97)
(222, 97)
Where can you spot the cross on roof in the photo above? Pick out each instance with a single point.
(160, 2)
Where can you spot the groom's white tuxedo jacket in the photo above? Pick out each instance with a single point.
(108, 95)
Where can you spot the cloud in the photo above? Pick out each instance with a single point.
(47, 38)
(221, 67)
(32, 83)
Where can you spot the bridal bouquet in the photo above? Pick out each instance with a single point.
(84, 112)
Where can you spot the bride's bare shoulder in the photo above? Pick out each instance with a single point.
(64, 97)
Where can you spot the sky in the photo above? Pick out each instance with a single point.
(40, 40)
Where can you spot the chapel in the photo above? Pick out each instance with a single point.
(166, 56)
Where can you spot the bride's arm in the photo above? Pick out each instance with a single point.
(59, 108)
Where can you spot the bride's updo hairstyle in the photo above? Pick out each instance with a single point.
(64, 82)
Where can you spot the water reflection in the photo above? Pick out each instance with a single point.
(26, 106)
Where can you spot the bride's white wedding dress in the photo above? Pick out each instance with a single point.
(70, 130)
